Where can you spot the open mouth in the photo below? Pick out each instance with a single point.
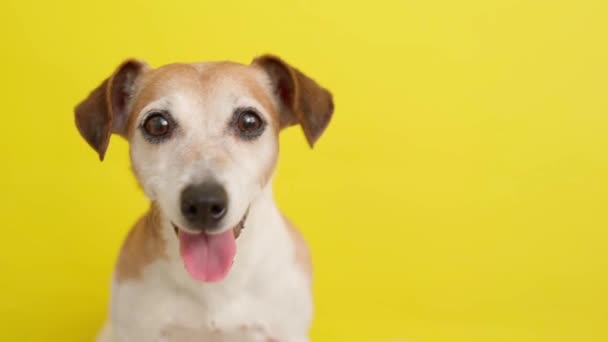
(208, 257)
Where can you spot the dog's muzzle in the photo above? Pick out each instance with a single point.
(236, 229)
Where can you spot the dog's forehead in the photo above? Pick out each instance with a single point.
(200, 79)
(197, 81)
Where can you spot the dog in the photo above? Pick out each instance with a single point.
(213, 259)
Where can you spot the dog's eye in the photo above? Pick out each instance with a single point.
(249, 123)
(157, 125)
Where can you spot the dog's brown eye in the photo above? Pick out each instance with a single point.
(249, 123)
(157, 125)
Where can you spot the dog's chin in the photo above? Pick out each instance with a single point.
(208, 257)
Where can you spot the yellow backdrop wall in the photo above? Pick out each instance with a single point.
(459, 195)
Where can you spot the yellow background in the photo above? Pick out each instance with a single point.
(460, 194)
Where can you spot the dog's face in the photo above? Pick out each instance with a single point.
(203, 133)
(204, 138)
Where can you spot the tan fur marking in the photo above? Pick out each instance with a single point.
(302, 255)
(156, 83)
(142, 246)
(248, 77)
(193, 78)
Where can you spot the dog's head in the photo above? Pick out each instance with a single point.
(203, 141)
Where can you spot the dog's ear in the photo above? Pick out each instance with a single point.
(104, 111)
(302, 101)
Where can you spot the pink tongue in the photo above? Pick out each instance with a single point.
(208, 257)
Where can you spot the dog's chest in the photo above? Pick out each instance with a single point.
(157, 310)
(244, 332)
(236, 319)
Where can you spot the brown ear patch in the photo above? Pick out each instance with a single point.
(302, 100)
(93, 120)
(104, 111)
(143, 245)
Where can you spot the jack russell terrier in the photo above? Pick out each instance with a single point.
(213, 259)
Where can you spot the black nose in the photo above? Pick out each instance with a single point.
(204, 205)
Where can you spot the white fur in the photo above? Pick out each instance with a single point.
(266, 296)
